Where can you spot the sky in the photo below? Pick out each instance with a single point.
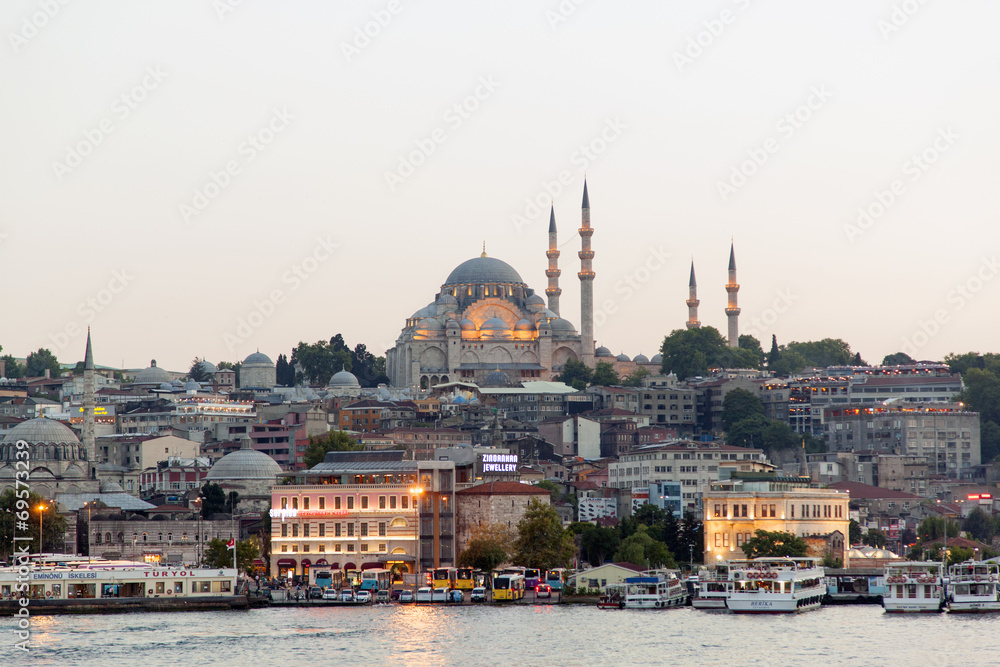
(209, 177)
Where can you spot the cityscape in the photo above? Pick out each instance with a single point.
(456, 322)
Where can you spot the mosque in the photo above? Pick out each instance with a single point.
(486, 319)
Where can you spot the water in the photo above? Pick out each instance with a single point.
(514, 635)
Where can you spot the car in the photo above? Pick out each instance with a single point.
(363, 596)
(346, 595)
(478, 594)
(440, 594)
(330, 594)
(456, 596)
(315, 593)
(382, 597)
(394, 595)
(406, 595)
(424, 594)
(543, 591)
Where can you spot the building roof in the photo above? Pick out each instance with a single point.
(258, 358)
(483, 270)
(75, 501)
(41, 430)
(503, 489)
(343, 379)
(861, 491)
(244, 463)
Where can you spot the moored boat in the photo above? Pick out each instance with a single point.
(775, 585)
(914, 587)
(652, 590)
(712, 588)
(973, 587)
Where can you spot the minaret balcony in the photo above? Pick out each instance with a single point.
(586, 254)
(732, 287)
(586, 232)
(553, 273)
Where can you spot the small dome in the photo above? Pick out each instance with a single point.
(207, 367)
(166, 386)
(496, 378)
(41, 430)
(524, 325)
(191, 385)
(430, 324)
(451, 324)
(535, 300)
(657, 359)
(244, 463)
(152, 375)
(602, 352)
(641, 359)
(447, 300)
(342, 379)
(258, 359)
(426, 311)
(494, 324)
(467, 325)
(111, 487)
(622, 357)
(559, 324)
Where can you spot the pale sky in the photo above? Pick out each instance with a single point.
(116, 113)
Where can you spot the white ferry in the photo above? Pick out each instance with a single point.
(712, 588)
(775, 585)
(972, 587)
(652, 590)
(914, 587)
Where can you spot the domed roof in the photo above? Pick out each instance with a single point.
(447, 300)
(534, 300)
(494, 324)
(496, 378)
(342, 379)
(166, 386)
(623, 357)
(524, 325)
(559, 324)
(641, 359)
(451, 324)
(467, 325)
(244, 463)
(426, 311)
(602, 352)
(207, 367)
(258, 358)
(111, 487)
(41, 430)
(191, 385)
(657, 359)
(152, 375)
(428, 323)
(480, 270)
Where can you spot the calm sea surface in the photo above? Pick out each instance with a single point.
(522, 635)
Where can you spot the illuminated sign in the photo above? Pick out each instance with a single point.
(500, 463)
(296, 514)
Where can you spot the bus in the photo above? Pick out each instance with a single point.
(554, 578)
(376, 580)
(324, 579)
(464, 580)
(508, 587)
(532, 577)
(444, 577)
(352, 578)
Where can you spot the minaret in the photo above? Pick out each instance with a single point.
(732, 310)
(88, 407)
(692, 302)
(586, 284)
(553, 272)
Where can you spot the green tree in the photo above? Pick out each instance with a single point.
(747, 432)
(320, 360)
(576, 374)
(774, 543)
(552, 488)
(897, 359)
(40, 361)
(932, 528)
(369, 369)
(980, 525)
(213, 500)
(21, 505)
(775, 354)
(199, 371)
(604, 375)
(752, 345)
(542, 542)
(284, 373)
(692, 538)
(854, 532)
(332, 441)
(692, 352)
(218, 555)
(487, 548)
(821, 353)
(644, 551)
(874, 538)
(598, 544)
(12, 369)
(635, 378)
(739, 404)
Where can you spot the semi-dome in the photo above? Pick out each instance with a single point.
(524, 325)
(447, 300)
(344, 379)
(623, 357)
(152, 375)
(428, 323)
(559, 324)
(467, 325)
(480, 270)
(535, 300)
(244, 463)
(494, 324)
(41, 430)
(641, 359)
(258, 358)
(111, 487)
(602, 352)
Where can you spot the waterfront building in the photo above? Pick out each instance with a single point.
(598, 578)
(166, 538)
(489, 503)
(362, 510)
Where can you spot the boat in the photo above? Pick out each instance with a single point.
(712, 588)
(914, 587)
(775, 585)
(973, 587)
(651, 590)
(854, 586)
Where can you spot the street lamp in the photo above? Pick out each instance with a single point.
(416, 491)
(41, 529)
(88, 506)
(197, 504)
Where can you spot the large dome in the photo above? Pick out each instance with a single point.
(152, 375)
(480, 270)
(343, 379)
(244, 463)
(41, 430)
(258, 358)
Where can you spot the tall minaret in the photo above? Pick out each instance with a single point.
(732, 310)
(89, 443)
(553, 272)
(692, 302)
(586, 284)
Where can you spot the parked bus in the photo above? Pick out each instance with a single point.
(532, 577)
(376, 580)
(464, 580)
(444, 577)
(351, 579)
(554, 578)
(508, 587)
(324, 579)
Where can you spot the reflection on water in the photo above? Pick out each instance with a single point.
(490, 635)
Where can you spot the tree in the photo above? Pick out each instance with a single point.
(692, 352)
(12, 369)
(40, 361)
(692, 538)
(747, 432)
(333, 441)
(644, 551)
(874, 538)
(739, 404)
(980, 525)
(821, 353)
(752, 345)
(213, 500)
(598, 543)
(897, 359)
(773, 544)
(369, 369)
(199, 371)
(635, 378)
(775, 354)
(576, 374)
(552, 488)
(487, 548)
(542, 542)
(20, 517)
(218, 555)
(320, 360)
(932, 528)
(284, 373)
(854, 532)
(604, 375)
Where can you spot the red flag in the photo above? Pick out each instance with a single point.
(231, 543)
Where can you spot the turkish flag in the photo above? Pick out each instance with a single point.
(231, 543)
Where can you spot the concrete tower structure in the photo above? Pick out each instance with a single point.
(553, 272)
(732, 310)
(586, 284)
(692, 302)
(89, 440)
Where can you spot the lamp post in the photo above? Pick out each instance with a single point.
(197, 504)
(87, 505)
(416, 491)
(41, 529)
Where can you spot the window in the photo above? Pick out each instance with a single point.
(718, 540)
(322, 530)
(364, 529)
(295, 530)
(350, 548)
(392, 502)
(364, 547)
(743, 510)
(350, 530)
(322, 502)
(381, 502)
(381, 547)
(718, 510)
(305, 503)
(284, 503)
(295, 503)
(336, 503)
(336, 530)
(792, 506)
(350, 502)
(364, 502)
(725, 540)
(381, 529)
(773, 512)
(336, 547)
(284, 548)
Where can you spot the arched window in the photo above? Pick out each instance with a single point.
(398, 522)
(159, 537)
(107, 538)
(97, 538)
(121, 537)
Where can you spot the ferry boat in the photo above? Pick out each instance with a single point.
(854, 586)
(972, 587)
(652, 590)
(914, 587)
(775, 585)
(712, 588)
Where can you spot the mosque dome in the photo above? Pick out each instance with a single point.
(244, 463)
(657, 359)
(447, 300)
(622, 357)
(467, 325)
(429, 323)
(559, 324)
(191, 385)
(496, 378)
(451, 324)
(152, 375)
(41, 430)
(641, 359)
(524, 325)
(602, 352)
(493, 324)
(207, 367)
(480, 270)
(111, 487)
(342, 379)
(258, 359)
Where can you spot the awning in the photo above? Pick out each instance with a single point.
(370, 566)
(286, 562)
(397, 558)
(350, 566)
(306, 561)
(259, 561)
(322, 561)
